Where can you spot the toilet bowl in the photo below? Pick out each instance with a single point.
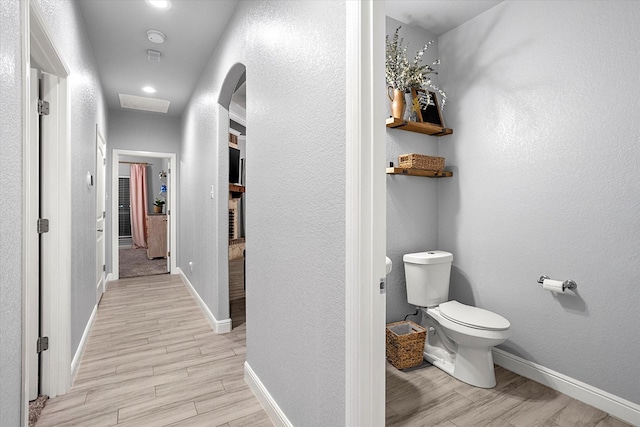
(459, 337)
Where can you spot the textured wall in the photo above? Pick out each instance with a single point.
(10, 212)
(543, 102)
(294, 57)
(87, 109)
(412, 202)
(139, 131)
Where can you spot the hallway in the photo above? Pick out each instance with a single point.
(153, 360)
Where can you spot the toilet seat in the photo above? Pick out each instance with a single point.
(473, 317)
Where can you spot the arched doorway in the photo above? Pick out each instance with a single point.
(232, 162)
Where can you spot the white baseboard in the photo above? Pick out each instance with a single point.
(268, 403)
(75, 363)
(605, 401)
(218, 326)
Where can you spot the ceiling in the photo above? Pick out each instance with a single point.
(437, 16)
(117, 31)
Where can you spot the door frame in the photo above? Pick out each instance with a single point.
(173, 203)
(101, 143)
(38, 42)
(365, 315)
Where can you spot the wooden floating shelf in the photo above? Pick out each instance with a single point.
(425, 128)
(419, 172)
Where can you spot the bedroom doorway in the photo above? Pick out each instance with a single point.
(143, 219)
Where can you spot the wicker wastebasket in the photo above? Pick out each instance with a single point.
(405, 344)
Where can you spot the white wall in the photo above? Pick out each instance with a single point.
(294, 57)
(11, 227)
(87, 109)
(543, 103)
(412, 202)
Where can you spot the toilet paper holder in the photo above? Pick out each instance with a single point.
(567, 284)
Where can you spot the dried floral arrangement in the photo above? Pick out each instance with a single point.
(404, 75)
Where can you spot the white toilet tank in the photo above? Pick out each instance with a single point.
(427, 277)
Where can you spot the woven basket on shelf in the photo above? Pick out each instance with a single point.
(420, 161)
(405, 344)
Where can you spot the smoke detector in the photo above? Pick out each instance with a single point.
(155, 36)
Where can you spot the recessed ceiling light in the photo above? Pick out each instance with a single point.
(160, 4)
(155, 36)
(149, 89)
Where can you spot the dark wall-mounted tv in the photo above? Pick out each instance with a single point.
(234, 165)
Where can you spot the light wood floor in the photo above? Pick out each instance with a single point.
(426, 396)
(236, 279)
(153, 360)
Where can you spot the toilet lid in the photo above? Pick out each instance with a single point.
(473, 317)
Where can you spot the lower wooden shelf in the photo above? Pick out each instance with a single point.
(425, 128)
(419, 172)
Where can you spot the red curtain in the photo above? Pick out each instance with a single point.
(138, 192)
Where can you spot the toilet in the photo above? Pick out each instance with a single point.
(459, 337)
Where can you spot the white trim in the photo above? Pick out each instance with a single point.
(41, 45)
(365, 215)
(55, 265)
(75, 363)
(173, 203)
(37, 41)
(31, 240)
(221, 207)
(101, 191)
(605, 401)
(238, 114)
(270, 406)
(30, 257)
(218, 326)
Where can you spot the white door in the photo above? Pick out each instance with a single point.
(168, 211)
(33, 206)
(50, 240)
(101, 164)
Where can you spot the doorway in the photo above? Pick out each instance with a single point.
(237, 202)
(143, 227)
(47, 196)
(232, 84)
(143, 242)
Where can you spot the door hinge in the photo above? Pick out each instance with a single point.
(43, 107)
(104, 267)
(42, 344)
(42, 225)
(104, 214)
(383, 285)
(169, 254)
(168, 211)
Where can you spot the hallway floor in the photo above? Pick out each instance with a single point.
(153, 360)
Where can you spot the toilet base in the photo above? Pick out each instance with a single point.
(473, 366)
